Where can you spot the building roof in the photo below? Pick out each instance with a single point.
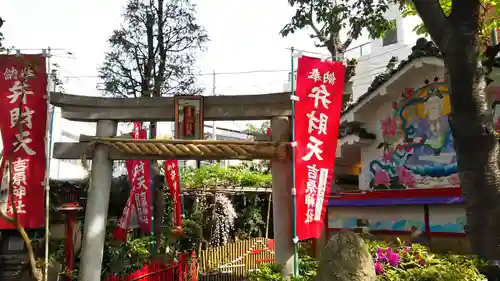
(422, 48)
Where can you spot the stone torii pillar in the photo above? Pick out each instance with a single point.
(282, 199)
(96, 211)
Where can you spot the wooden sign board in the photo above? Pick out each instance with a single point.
(189, 122)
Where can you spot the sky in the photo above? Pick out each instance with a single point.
(244, 36)
(239, 41)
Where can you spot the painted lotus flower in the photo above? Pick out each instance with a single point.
(454, 180)
(406, 177)
(497, 124)
(388, 127)
(387, 156)
(381, 177)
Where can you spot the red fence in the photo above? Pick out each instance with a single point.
(182, 270)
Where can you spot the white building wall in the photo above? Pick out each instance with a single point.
(68, 131)
(373, 57)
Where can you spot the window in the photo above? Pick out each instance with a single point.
(391, 36)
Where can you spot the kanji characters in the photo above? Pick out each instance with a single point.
(20, 192)
(27, 73)
(20, 208)
(329, 78)
(315, 123)
(17, 90)
(11, 73)
(138, 169)
(23, 140)
(320, 94)
(314, 149)
(315, 75)
(26, 117)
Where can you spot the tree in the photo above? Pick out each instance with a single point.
(152, 55)
(1, 35)
(153, 52)
(326, 19)
(457, 27)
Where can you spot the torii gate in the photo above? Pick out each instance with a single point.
(103, 149)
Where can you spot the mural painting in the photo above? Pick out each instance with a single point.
(417, 148)
(397, 218)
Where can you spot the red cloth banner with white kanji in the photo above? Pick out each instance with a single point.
(139, 201)
(320, 86)
(23, 121)
(174, 185)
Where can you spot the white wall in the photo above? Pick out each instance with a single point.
(68, 131)
(374, 56)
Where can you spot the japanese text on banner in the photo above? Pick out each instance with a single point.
(174, 184)
(23, 86)
(317, 115)
(139, 201)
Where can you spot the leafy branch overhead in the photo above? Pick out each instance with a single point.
(213, 176)
(326, 19)
(154, 51)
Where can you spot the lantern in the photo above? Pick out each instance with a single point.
(70, 205)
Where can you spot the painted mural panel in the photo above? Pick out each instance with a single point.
(446, 218)
(417, 148)
(449, 218)
(397, 218)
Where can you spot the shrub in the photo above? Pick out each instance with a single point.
(308, 268)
(397, 262)
(417, 263)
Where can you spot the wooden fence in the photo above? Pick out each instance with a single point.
(234, 260)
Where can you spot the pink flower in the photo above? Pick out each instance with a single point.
(387, 156)
(454, 179)
(378, 268)
(405, 177)
(497, 124)
(381, 177)
(388, 127)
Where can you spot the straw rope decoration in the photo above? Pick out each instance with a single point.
(243, 150)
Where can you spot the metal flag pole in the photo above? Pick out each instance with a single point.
(48, 157)
(152, 196)
(294, 194)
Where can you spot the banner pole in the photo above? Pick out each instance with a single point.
(152, 196)
(48, 151)
(294, 194)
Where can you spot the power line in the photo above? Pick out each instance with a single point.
(255, 71)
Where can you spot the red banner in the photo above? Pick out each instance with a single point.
(139, 202)
(174, 185)
(320, 87)
(23, 87)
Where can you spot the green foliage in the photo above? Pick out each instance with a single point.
(262, 129)
(212, 176)
(414, 263)
(487, 24)
(417, 263)
(308, 269)
(124, 258)
(334, 16)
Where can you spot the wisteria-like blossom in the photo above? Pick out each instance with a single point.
(224, 217)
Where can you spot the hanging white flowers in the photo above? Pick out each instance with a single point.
(224, 217)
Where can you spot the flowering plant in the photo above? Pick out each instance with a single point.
(416, 262)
